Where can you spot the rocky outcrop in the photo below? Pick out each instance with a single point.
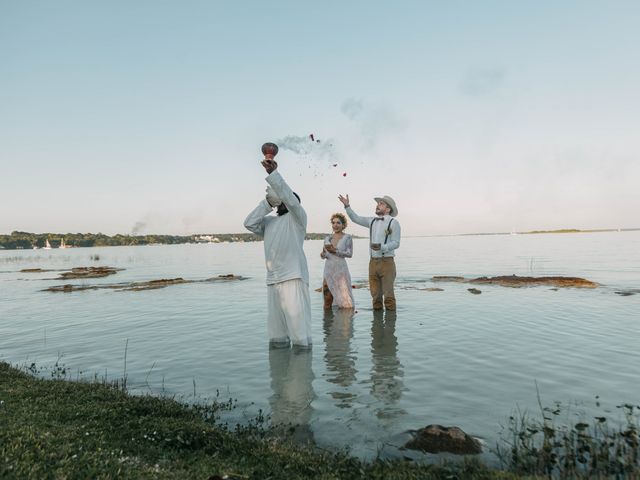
(140, 286)
(71, 288)
(437, 439)
(448, 278)
(89, 272)
(153, 284)
(224, 278)
(475, 291)
(516, 281)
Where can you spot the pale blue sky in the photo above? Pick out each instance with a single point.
(148, 116)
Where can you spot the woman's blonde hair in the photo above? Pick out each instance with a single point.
(340, 217)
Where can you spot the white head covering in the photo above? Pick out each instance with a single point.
(272, 197)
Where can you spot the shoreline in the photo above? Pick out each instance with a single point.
(58, 428)
(46, 241)
(61, 428)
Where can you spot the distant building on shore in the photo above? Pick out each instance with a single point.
(206, 239)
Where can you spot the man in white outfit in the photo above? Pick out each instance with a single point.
(289, 315)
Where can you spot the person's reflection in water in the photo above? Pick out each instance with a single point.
(341, 370)
(386, 371)
(291, 383)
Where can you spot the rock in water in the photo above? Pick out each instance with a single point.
(436, 439)
(447, 278)
(516, 281)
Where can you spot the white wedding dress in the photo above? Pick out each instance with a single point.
(336, 272)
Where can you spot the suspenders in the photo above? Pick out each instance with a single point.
(388, 229)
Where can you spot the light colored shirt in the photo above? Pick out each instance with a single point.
(283, 235)
(388, 227)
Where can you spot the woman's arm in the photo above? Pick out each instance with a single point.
(346, 247)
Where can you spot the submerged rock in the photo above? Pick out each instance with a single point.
(153, 284)
(448, 278)
(516, 281)
(432, 289)
(89, 272)
(70, 288)
(626, 293)
(437, 439)
(140, 286)
(475, 291)
(225, 277)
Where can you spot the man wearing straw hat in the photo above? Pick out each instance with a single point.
(384, 235)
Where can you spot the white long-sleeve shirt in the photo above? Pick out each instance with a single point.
(379, 231)
(283, 235)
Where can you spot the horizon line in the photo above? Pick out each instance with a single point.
(524, 232)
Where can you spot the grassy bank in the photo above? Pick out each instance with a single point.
(63, 429)
(57, 428)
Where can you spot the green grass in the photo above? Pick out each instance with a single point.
(60, 429)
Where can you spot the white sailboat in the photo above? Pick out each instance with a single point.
(47, 245)
(62, 244)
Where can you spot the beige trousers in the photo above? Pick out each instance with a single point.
(382, 274)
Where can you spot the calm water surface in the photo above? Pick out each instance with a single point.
(446, 357)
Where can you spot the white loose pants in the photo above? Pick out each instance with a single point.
(289, 315)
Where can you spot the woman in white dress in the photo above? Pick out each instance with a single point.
(337, 279)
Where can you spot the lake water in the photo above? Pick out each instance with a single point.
(447, 357)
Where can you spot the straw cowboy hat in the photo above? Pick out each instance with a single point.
(389, 201)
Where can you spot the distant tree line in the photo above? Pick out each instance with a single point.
(26, 240)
